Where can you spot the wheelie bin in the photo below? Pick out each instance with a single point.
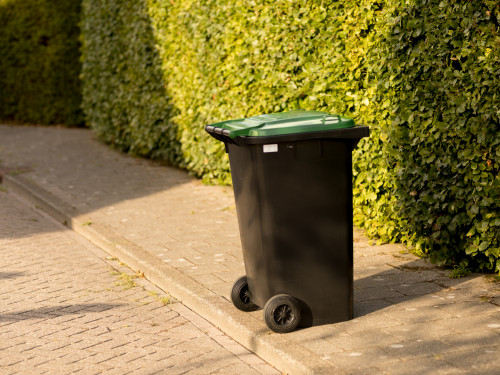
(292, 180)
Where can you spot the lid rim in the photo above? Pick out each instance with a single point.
(351, 133)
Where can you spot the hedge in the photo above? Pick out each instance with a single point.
(156, 71)
(39, 64)
(444, 140)
(124, 94)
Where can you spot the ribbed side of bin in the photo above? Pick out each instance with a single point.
(295, 217)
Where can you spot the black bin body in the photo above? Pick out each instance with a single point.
(294, 211)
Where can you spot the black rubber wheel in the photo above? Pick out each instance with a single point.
(282, 313)
(240, 296)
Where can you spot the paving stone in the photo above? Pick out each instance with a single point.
(482, 360)
(422, 366)
(420, 331)
(368, 338)
(356, 359)
(62, 331)
(471, 341)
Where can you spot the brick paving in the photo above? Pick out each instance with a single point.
(67, 307)
(408, 313)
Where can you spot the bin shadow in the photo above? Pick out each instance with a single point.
(400, 283)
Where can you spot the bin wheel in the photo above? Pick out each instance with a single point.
(240, 296)
(282, 313)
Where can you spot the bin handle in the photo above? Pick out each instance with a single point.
(325, 117)
(220, 134)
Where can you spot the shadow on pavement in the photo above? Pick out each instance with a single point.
(57, 311)
(403, 282)
(10, 275)
(82, 172)
(71, 166)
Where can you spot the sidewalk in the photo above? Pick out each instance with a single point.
(68, 307)
(184, 237)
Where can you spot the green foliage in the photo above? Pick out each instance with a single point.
(234, 59)
(443, 67)
(156, 71)
(124, 95)
(39, 64)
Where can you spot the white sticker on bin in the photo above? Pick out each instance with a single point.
(271, 148)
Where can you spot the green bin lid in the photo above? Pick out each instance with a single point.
(284, 123)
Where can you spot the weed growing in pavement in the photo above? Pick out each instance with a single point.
(113, 271)
(126, 281)
(486, 298)
(459, 271)
(493, 278)
(154, 294)
(164, 300)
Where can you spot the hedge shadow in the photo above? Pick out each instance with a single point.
(40, 64)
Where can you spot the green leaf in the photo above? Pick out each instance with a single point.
(483, 246)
